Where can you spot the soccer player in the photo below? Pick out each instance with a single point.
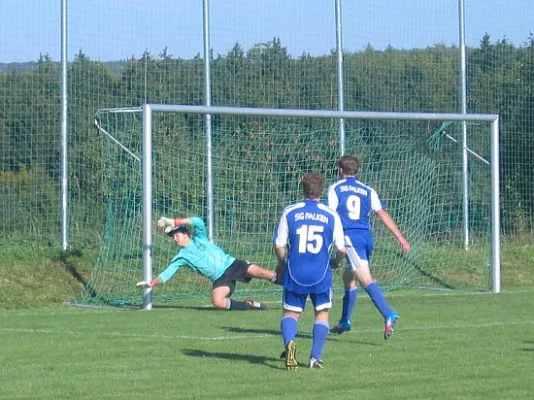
(201, 255)
(354, 202)
(306, 232)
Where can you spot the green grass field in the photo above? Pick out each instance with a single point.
(447, 345)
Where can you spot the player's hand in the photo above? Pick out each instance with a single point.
(405, 246)
(164, 222)
(153, 283)
(335, 264)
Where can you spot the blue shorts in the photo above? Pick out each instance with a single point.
(297, 302)
(360, 245)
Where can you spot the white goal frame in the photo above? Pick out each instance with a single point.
(148, 110)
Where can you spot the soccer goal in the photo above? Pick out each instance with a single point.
(239, 167)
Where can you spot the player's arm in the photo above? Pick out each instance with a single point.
(280, 243)
(280, 253)
(164, 276)
(164, 222)
(172, 222)
(167, 274)
(339, 242)
(196, 222)
(156, 281)
(182, 221)
(333, 200)
(390, 224)
(336, 261)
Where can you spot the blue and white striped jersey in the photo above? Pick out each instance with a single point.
(354, 201)
(308, 229)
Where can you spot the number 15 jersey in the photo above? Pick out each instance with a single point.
(308, 229)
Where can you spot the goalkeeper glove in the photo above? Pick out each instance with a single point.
(164, 222)
(153, 283)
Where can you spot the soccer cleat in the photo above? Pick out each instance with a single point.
(291, 356)
(255, 305)
(342, 326)
(315, 363)
(389, 324)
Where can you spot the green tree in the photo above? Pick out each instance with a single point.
(91, 87)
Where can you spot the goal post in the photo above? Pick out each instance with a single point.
(158, 158)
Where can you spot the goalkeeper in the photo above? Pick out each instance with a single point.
(201, 255)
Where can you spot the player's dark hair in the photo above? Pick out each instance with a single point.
(350, 165)
(180, 228)
(312, 185)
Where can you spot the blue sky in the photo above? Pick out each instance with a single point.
(118, 29)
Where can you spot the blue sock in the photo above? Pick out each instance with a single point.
(289, 327)
(320, 333)
(377, 297)
(349, 302)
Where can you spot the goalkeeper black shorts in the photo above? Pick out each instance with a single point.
(236, 272)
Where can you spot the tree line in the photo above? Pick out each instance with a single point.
(500, 79)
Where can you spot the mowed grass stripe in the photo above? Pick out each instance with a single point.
(255, 336)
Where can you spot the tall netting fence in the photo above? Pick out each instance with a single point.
(401, 60)
(264, 53)
(30, 165)
(257, 163)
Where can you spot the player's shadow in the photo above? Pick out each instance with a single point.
(529, 343)
(182, 307)
(64, 259)
(270, 332)
(347, 338)
(252, 359)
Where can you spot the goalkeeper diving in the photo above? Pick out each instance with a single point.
(197, 252)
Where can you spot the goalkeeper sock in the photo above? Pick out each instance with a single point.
(235, 305)
(349, 302)
(378, 299)
(289, 327)
(320, 333)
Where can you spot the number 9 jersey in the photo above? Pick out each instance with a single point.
(308, 229)
(353, 201)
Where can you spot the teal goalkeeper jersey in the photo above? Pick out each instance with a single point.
(200, 255)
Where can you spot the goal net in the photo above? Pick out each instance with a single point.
(256, 162)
